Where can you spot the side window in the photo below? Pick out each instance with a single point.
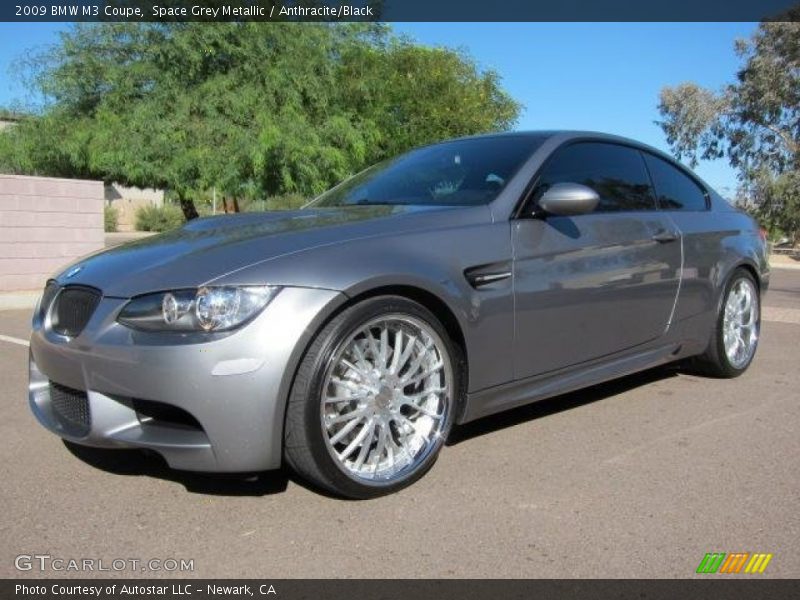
(617, 173)
(675, 190)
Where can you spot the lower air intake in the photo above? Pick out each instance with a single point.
(71, 409)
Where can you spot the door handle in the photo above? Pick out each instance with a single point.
(664, 236)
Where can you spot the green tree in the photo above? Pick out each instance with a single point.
(753, 122)
(254, 110)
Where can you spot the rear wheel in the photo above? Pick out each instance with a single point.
(735, 338)
(373, 399)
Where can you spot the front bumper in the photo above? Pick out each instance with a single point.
(233, 385)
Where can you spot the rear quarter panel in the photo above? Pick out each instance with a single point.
(715, 243)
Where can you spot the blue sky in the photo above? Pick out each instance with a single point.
(599, 76)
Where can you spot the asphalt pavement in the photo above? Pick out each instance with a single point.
(636, 478)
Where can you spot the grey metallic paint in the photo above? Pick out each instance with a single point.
(544, 306)
(240, 411)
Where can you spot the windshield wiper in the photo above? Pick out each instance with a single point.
(366, 202)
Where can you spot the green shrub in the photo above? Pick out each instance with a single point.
(159, 218)
(110, 218)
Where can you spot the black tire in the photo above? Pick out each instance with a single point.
(714, 362)
(306, 448)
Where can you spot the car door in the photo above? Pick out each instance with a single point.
(686, 202)
(596, 284)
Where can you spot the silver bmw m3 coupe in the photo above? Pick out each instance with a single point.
(347, 338)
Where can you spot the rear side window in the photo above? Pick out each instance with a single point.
(617, 173)
(674, 189)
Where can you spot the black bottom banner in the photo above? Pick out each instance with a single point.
(412, 589)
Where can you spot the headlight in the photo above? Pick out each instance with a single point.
(205, 309)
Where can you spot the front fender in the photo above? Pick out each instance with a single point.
(430, 261)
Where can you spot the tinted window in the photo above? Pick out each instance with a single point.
(461, 172)
(675, 190)
(616, 173)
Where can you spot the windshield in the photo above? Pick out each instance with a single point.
(458, 173)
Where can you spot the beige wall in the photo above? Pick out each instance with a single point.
(128, 200)
(46, 223)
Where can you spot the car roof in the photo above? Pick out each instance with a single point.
(566, 135)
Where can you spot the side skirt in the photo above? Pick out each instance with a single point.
(518, 393)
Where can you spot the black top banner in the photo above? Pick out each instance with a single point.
(397, 10)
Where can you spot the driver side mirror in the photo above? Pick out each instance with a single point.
(568, 199)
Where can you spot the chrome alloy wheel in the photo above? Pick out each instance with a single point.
(740, 323)
(386, 398)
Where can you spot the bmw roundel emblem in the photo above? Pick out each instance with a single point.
(74, 271)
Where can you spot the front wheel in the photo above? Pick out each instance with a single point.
(373, 399)
(735, 339)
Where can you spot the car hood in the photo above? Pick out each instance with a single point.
(206, 249)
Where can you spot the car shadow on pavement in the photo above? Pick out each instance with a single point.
(557, 404)
(150, 464)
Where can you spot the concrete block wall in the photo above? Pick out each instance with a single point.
(46, 223)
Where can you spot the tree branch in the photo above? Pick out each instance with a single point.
(791, 145)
